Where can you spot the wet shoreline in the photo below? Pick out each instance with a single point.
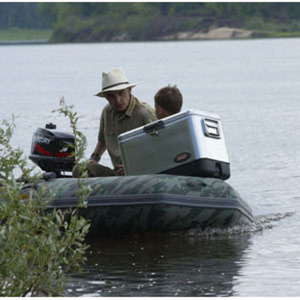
(23, 42)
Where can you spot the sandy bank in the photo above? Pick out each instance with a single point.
(212, 34)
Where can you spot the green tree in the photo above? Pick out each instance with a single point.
(21, 15)
(38, 247)
(149, 21)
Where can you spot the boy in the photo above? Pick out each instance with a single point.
(168, 101)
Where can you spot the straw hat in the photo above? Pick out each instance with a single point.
(114, 80)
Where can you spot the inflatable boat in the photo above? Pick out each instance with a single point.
(133, 204)
(148, 202)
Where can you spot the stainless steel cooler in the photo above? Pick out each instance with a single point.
(188, 143)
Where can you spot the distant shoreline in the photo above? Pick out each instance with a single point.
(215, 33)
(22, 42)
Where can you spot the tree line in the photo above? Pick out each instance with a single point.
(22, 15)
(106, 21)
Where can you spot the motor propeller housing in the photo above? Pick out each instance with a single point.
(52, 150)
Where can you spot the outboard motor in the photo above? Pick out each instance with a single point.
(52, 150)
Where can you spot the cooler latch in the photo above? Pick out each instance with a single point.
(211, 128)
(153, 128)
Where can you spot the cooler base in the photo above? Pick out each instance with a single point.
(203, 167)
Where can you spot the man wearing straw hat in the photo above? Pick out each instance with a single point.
(123, 112)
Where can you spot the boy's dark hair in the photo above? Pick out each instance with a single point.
(169, 98)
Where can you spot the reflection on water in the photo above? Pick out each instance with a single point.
(192, 263)
(161, 265)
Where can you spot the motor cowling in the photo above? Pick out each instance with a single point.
(52, 150)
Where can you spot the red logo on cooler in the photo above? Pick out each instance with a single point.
(182, 157)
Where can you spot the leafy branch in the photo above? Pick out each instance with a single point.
(39, 247)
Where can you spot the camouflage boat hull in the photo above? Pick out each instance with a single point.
(133, 204)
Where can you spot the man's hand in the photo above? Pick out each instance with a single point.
(119, 170)
(95, 157)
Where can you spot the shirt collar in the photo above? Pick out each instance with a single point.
(131, 106)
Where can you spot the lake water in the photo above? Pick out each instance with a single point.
(254, 85)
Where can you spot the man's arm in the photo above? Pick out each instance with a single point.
(99, 150)
(101, 145)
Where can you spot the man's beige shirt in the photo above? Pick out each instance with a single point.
(114, 123)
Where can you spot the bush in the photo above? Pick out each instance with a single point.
(38, 248)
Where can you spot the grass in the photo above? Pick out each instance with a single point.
(275, 34)
(18, 34)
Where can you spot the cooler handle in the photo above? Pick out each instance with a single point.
(153, 127)
(211, 128)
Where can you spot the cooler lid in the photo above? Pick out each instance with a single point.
(159, 124)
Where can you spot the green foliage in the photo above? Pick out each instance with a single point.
(106, 21)
(22, 15)
(84, 188)
(150, 21)
(15, 33)
(38, 247)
